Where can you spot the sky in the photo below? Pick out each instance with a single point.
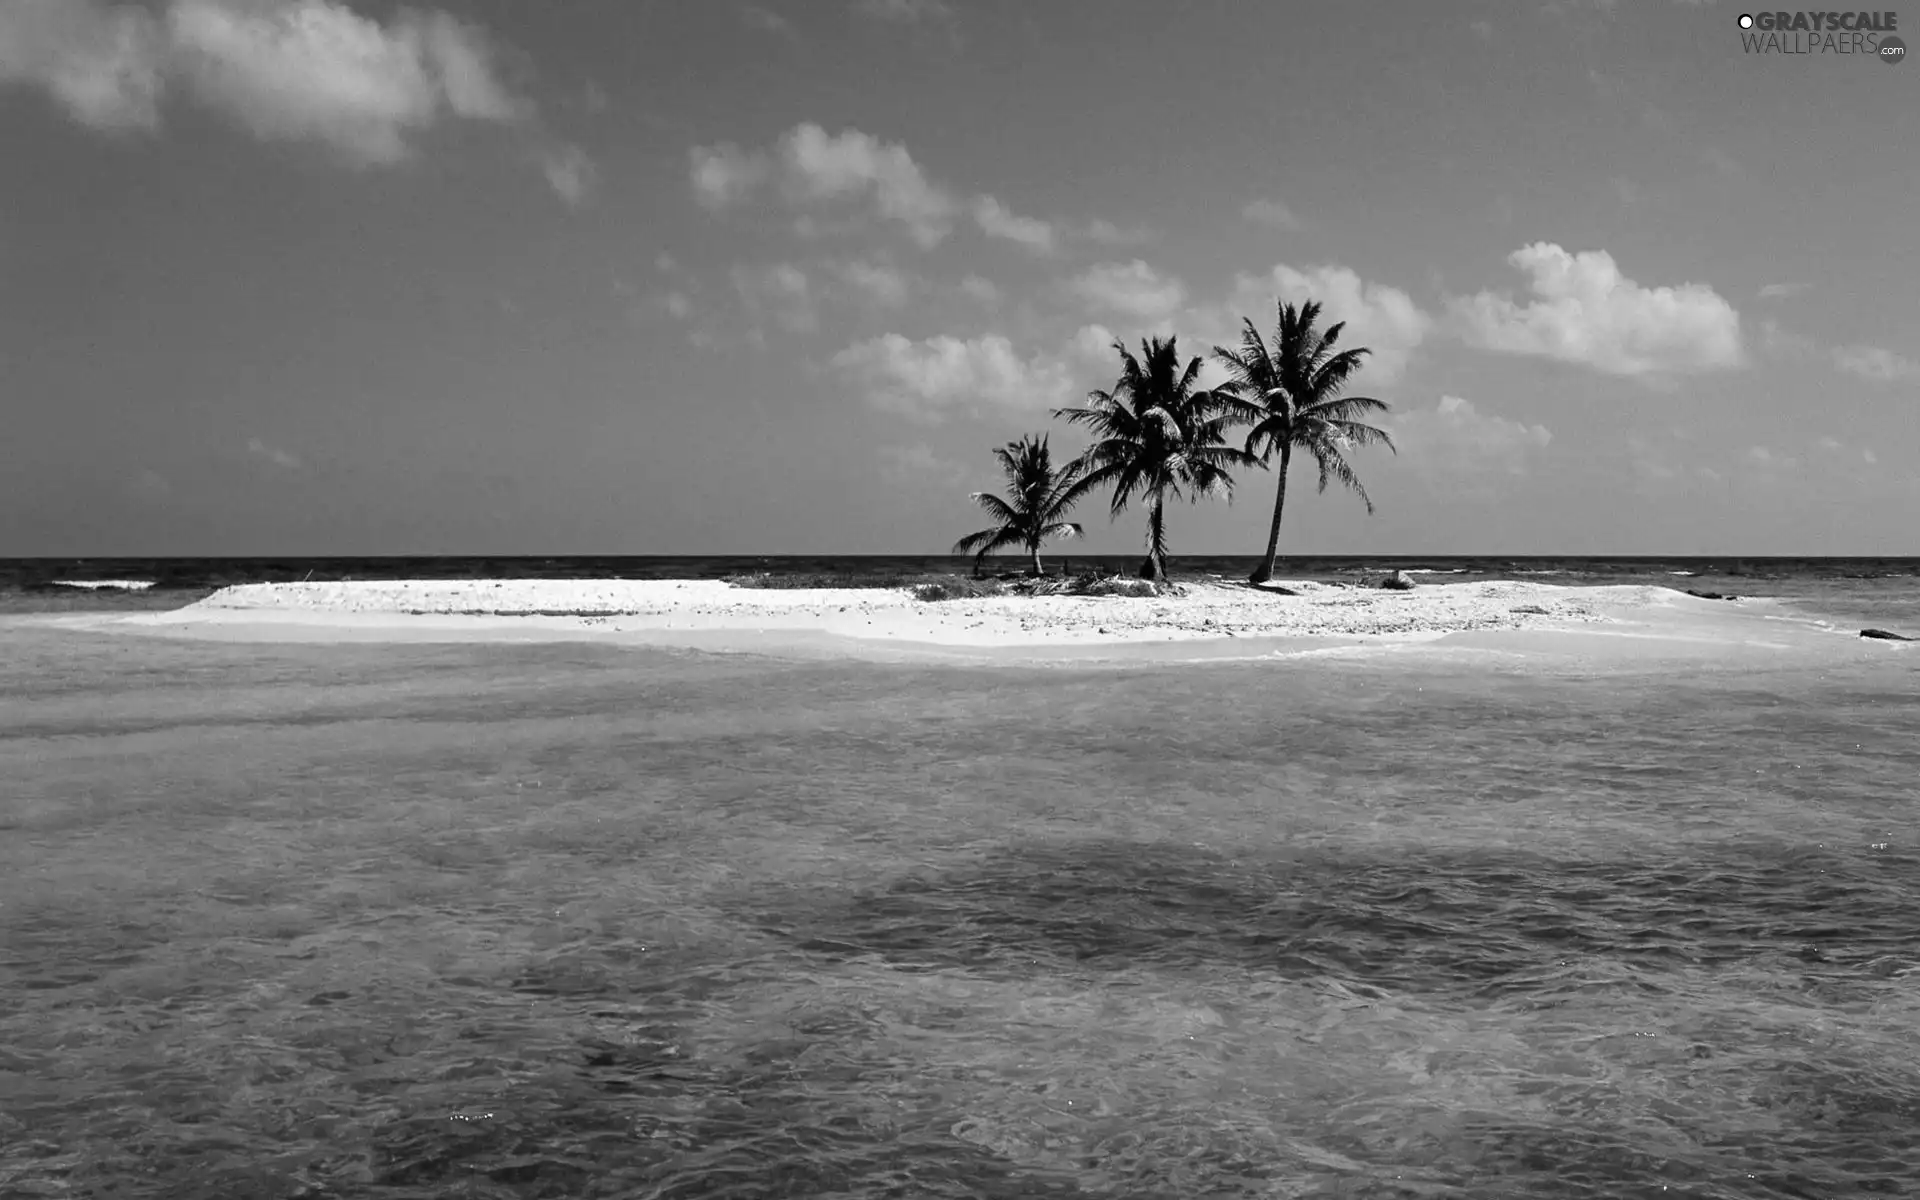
(318, 277)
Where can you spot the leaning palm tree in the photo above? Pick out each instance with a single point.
(1157, 432)
(1037, 497)
(1291, 395)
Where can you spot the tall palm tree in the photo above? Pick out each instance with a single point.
(1157, 432)
(1037, 498)
(1292, 396)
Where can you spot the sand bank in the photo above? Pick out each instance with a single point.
(1212, 620)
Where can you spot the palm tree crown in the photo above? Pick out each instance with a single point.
(1037, 497)
(1157, 432)
(1291, 395)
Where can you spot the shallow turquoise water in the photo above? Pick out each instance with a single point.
(591, 921)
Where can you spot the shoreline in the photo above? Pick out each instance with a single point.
(1210, 621)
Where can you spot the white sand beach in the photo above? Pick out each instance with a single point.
(1212, 619)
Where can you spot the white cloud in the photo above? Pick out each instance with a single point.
(1383, 319)
(1780, 291)
(315, 70)
(724, 174)
(878, 282)
(1133, 289)
(1093, 345)
(927, 379)
(765, 20)
(857, 170)
(1462, 446)
(1766, 459)
(678, 304)
(148, 486)
(905, 12)
(1587, 312)
(1874, 363)
(1777, 341)
(996, 220)
(1270, 212)
(279, 458)
(104, 66)
(982, 290)
(570, 172)
(1482, 30)
(296, 70)
(819, 165)
(782, 292)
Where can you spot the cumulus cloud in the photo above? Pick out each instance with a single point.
(1875, 364)
(765, 20)
(983, 291)
(905, 12)
(724, 174)
(1465, 448)
(278, 457)
(782, 292)
(809, 166)
(1092, 346)
(1384, 319)
(1777, 341)
(571, 173)
(882, 284)
(105, 66)
(996, 220)
(819, 165)
(294, 70)
(1271, 212)
(1133, 289)
(148, 486)
(1587, 312)
(926, 380)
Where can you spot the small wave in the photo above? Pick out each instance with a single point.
(121, 585)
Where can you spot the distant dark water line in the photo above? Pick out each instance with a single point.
(27, 573)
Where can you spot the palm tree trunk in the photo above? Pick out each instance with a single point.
(1264, 571)
(1035, 550)
(1156, 565)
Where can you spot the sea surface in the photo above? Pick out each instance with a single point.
(305, 921)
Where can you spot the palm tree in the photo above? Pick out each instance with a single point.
(1037, 498)
(1156, 433)
(1291, 395)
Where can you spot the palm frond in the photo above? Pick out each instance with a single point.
(996, 508)
(985, 541)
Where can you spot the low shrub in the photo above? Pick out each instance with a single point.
(958, 588)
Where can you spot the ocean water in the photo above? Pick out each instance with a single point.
(587, 920)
